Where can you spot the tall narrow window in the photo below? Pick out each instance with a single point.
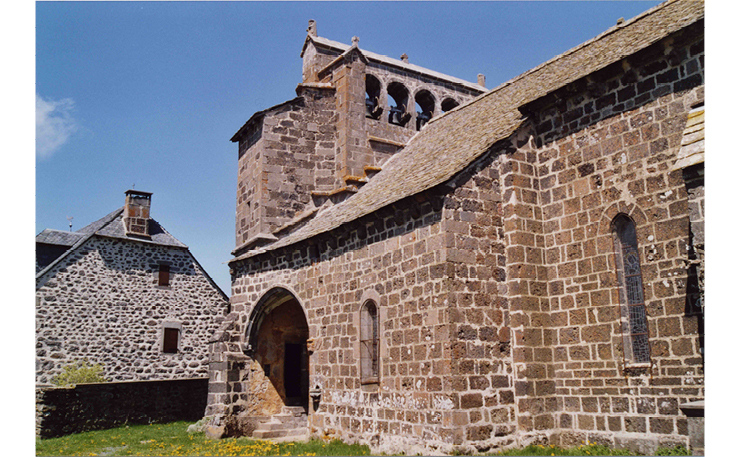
(369, 347)
(634, 317)
(171, 340)
(164, 275)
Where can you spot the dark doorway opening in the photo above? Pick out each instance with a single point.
(292, 371)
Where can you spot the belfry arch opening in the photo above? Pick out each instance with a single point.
(424, 108)
(398, 114)
(373, 109)
(277, 337)
(448, 104)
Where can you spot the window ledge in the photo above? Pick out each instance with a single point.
(637, 369)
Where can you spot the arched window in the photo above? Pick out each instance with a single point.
(369, 347)
(398, 114)
(448, 104)
(629, 275)
(373, 109)
(424, 108)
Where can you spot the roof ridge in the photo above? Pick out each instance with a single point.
(104, 221)
(390, 60)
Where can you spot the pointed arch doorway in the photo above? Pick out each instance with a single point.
(277, 336)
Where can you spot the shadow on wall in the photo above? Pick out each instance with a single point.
(279, 376)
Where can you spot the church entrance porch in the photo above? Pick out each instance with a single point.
(278, 386)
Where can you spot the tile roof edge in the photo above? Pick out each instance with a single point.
(59, 259)
(110, 217)
(65, 232)
(208, 277)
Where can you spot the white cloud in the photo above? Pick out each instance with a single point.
(54, 124)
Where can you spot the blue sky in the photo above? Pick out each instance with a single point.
(148, 94)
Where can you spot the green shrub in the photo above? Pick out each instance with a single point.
(79, 372)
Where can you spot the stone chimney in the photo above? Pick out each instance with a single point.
(312, 28)
(136, 212)
(481, 80)
(405, 58)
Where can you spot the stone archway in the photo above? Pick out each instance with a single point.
(277, 343)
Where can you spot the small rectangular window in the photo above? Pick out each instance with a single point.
(171, 340)
(164, 275)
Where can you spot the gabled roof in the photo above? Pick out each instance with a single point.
(111, 226)
(342, 48)
(452, 141)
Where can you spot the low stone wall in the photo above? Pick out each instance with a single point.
(64, 410)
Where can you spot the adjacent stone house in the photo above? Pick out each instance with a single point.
(526, 266)
(124, 293)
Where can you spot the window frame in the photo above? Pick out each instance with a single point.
(369, 343)
(635, 326)
(169, 327)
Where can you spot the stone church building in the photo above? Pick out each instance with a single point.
(422, 263)
(124, 293)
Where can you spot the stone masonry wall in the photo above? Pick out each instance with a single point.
(103, 303)
(65, 410)
(481, 369)
(397, 257)
(498, 298)
(607, 146)
(293, 156)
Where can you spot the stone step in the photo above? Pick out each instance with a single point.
(294, 410)
(289, 417)
(271, 426)
(294, 434)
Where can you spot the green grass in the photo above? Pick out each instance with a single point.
(173, 439)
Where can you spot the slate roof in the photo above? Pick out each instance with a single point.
(453, 140)
(110, 225)
(58, 237)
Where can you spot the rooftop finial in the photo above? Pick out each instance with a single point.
(355, 41)
(405, 58)
(311, 27)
